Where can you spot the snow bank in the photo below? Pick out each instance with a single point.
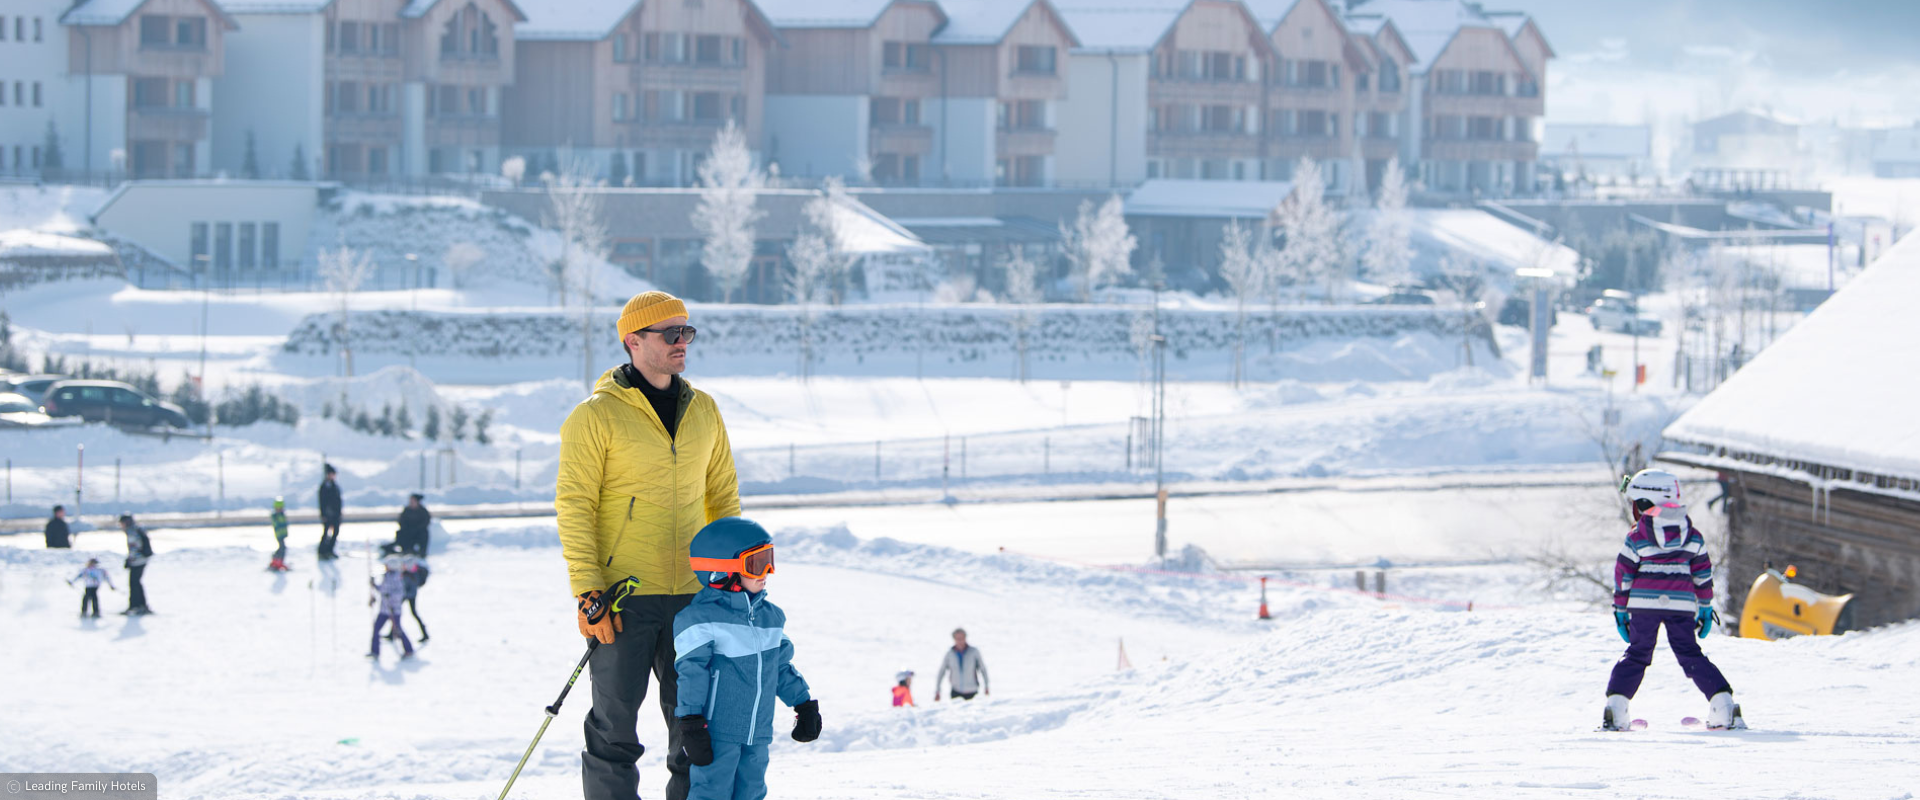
(1062, 342)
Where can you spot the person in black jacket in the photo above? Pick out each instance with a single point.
(139, 549)
(413, 527)
(57, 533)
(329, 515)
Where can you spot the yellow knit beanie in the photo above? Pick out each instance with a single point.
(647, 309)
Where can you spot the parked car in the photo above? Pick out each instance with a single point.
(34, 386)
(112, 402)
(1517, 308)
(1403, 298)
(17, 411)
(1612, 313)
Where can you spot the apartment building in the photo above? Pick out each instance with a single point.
(637, 89)
(33, 61)
(364, 89)
(143, 71)
(908, 92)
(1380, 97)
(1477, 99)
(1207, 94)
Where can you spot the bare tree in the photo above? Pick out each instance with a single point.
(1387, 254)
(1242, 270)
(1023, 287)
(461, 258)
(726, 213)
(344, 269)
(825, 216)
(1098, 245)
(577, 213)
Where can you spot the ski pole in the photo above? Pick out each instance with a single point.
(611, 601)
(552, 711)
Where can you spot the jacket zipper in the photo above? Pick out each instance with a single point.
(759, 658)
(623, 529)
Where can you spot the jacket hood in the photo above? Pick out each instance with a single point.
(613, 383)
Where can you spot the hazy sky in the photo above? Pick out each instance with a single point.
(1810, 35)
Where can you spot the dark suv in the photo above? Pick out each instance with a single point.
(111, 402)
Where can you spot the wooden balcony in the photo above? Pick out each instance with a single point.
(1478, 150)
(901, 139)
(1205, 93)
(165, 123)
(1024, 142)
(1202, 144)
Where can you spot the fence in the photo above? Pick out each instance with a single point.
(1087, 453)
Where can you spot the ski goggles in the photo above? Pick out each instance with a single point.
(755, 563)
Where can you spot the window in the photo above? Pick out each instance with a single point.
(706, 50)
(19, 93)
(36, 94)
(347, 100)
(448, 98)
(905, 57)
(1483, 128)
(190, 33)
(1023, 115)
(349, 39)
(1220, 119)
(620, 52)
(36, 156)
(1389, 75)
(739, 50)
(223, 246)
(1034, 59)
(621, 111)
(270, 234)
(197, 239)
(150, 92)
(376, 161)
(155, 31)
(248, 239)
(390, 38)
(477, 101)
(183, 94)
(706, 107)
(373, 38)
(36, 29)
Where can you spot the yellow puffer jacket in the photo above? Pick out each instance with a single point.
(629, 498)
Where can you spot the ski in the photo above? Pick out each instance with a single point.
(1636, 725)
(1739, 724)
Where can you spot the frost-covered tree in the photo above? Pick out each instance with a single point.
(808, 255)
(344, 269)
(457, 423)
(1242, 269)
(726, 213)
(1098, 246)
(513, 169)
(1023, 287)
(577, 211)
(1387, 254)
(1312, 229)
(460, 259)
(480, 425)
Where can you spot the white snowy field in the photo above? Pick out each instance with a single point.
(251, 684)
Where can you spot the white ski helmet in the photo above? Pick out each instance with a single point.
(1656, 486)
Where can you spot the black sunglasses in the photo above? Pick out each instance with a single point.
(672, 334)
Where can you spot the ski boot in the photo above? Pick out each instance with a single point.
(1615, 717)
(1723, 714)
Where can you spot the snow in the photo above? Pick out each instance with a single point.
(570, 20)
(1830, 391)
(1428, 26)
(1483, 237)
(264, 693)
(52, 209)
(274, 6)
(979, 21)
(100, 12)
(821, 13)
(36, 244)
(1209, 199)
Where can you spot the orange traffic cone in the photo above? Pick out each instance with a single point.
(1263, 598)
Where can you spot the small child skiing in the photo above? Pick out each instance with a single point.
(92, 575)
(279, 563)
(413, 573)
(389, 591)
(903, 689)
(733, 657)
(1663, 578)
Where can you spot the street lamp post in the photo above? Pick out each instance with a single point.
(413, 344)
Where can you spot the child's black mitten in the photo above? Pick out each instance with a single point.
(807, 727)
(694, 739)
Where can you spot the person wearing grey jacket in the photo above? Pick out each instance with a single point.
(968, 668)
(139, 549)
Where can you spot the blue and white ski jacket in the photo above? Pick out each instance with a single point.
(734, 658)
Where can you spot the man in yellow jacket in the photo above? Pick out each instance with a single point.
(644, 465)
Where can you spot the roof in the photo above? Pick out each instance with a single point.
(814, 13)
(1133, 28)
(1270, 13)
(571, 20)
(980, 230)
(207, 183)
(416, 9)
(1428, 27)
(1596, 141)
(1208, 199)
(114, 12)
(1832, 391)
(988, 21)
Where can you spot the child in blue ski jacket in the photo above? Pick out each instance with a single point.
(733, 658)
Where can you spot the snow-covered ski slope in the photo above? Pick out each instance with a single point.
(251, 684)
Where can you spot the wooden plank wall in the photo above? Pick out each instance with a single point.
(1861, 543)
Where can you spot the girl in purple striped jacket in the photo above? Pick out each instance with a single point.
(1663, 578)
